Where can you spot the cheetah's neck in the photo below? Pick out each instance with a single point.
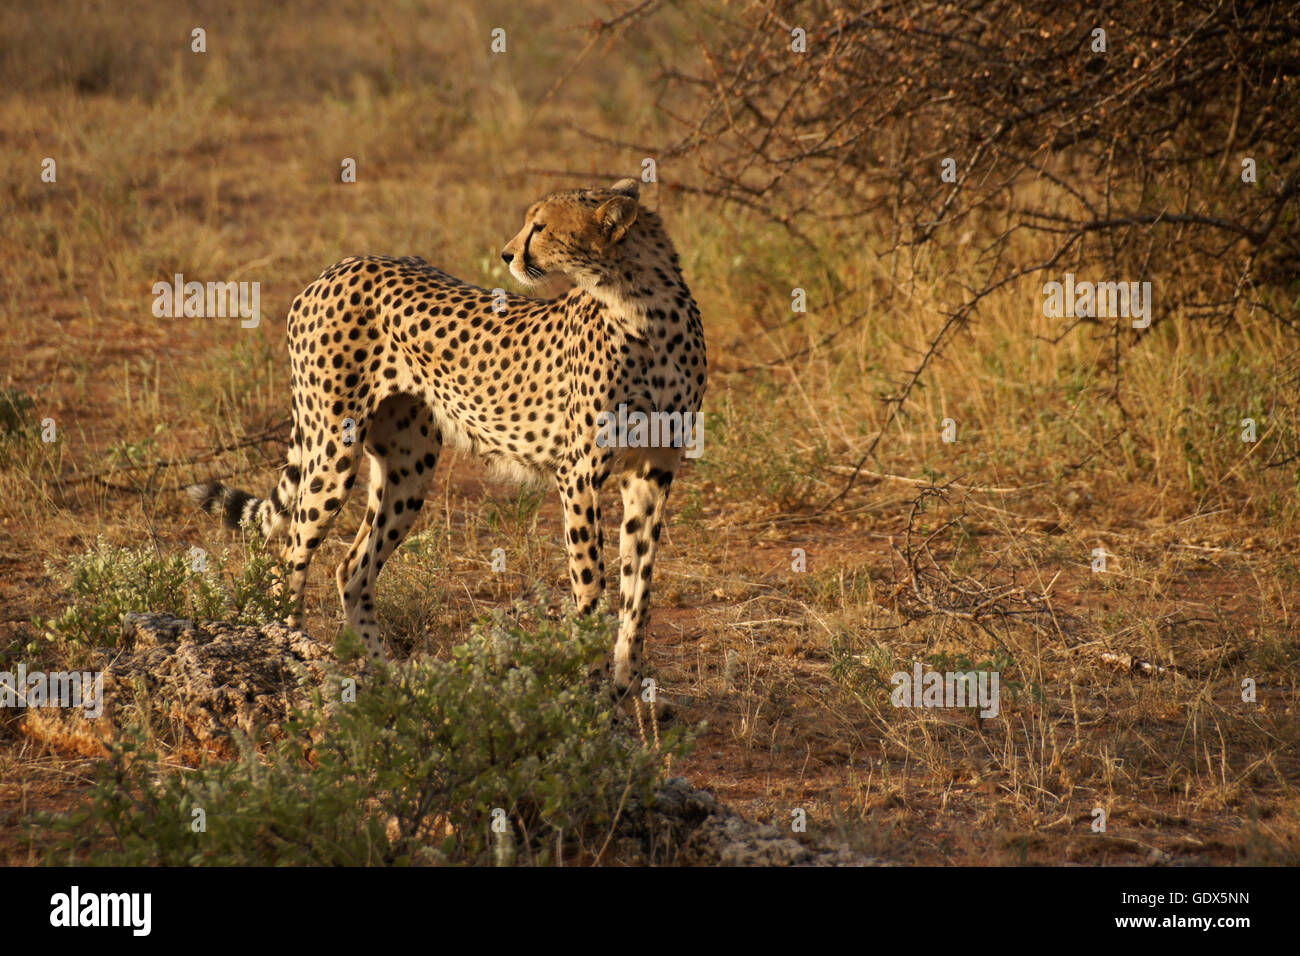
(650, 292)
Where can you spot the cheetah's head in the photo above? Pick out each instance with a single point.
(578, 233)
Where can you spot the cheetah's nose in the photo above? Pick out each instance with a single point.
(507, 256)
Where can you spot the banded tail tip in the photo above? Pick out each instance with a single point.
(207, 496)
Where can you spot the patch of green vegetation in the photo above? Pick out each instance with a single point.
(516, 510)
(108, 582)
(503, 755)
(1001, 662)
(862, 670)
(137, 454)
(834, 588)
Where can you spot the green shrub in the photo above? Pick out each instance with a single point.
(108, 582)
(414, 770)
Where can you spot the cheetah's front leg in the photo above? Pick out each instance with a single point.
(580, 498)
(645, 494)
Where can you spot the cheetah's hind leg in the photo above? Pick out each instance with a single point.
(402, 447)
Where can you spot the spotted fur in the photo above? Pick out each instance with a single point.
(416, 359)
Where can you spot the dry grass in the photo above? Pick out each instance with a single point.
(225, 166)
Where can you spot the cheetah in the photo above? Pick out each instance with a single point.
(398, 358)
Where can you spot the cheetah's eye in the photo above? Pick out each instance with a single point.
(537, 227)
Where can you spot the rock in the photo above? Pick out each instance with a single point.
(689, 827)
(196, 684)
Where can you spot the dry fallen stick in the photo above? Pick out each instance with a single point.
(926, 482)
(934, 589)
(265, 434)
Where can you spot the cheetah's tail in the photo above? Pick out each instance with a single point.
(237, 508)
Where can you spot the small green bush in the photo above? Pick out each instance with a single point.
(108, 582)
(415, 770)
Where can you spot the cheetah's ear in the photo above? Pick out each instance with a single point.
(626, 187)
(616, 216)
